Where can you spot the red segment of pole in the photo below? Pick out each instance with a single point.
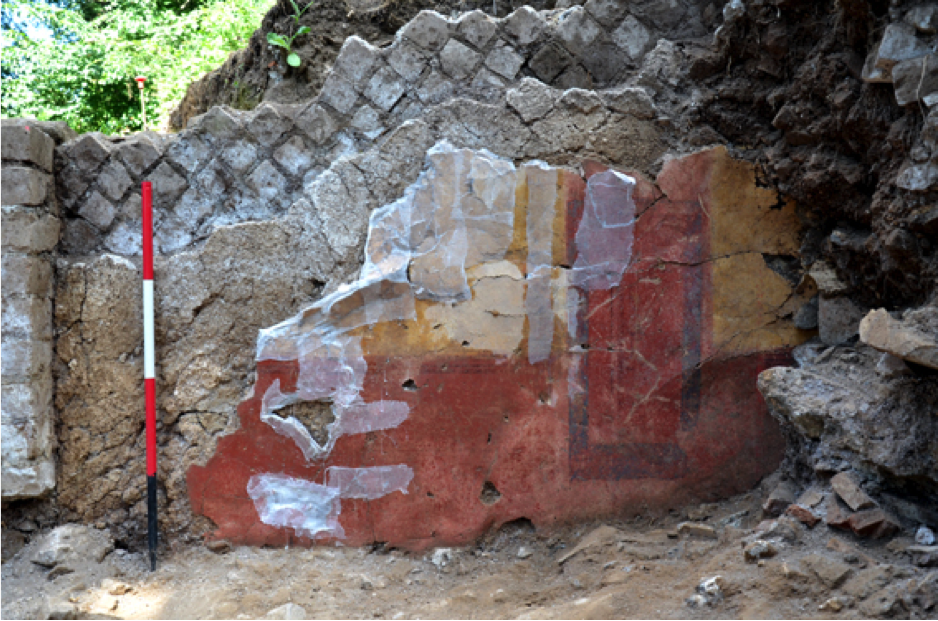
(147, 191)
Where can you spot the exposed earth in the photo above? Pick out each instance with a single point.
(637, 568)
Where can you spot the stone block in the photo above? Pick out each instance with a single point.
(98, 211)
(26, 275)
(188, 151)
(532, 99)
(138, 154)
(806, 318)
(80, 237)
(923, 18)
(316, 123)
(407, 60)
(27, 403)
(172, 234)
(577, 30)
(607, 12)
(579, 101)
(668, 14)
(385, 88)
(549, 62)
(23, 359)
(830, 572)
(524, 26)
(574, 76)
(25, 143)
(268, 124)
(113, 180)
(168, 185)
(918, 177)
(31, 480)
(838, 319)
(125, 239)
(435, 88)
(23, 186)
(504, 61)
(338, 93)
(70, 544)
(294, 156)
(899, 43)
(428, 30)
(487, 82)
(71, 184)
(194, 207)
(915, 341)
(218, 123)
(458, 60)
(874, 523)
(366, 119)
(240, 156)
(88, 151)
(58, 131)
(850, 492)
(356, 60)
(477, 28)
(781, 497)
(631, 100)
(28, 317)
(25, 230)
(916, 78)
(633, 38)
(267, 181)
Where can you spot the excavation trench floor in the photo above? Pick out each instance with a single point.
(641, 568)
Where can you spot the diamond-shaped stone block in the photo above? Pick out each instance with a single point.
(458, 60)
(240, 156)
(504, 61)
(316, 122)
(267, 124)
(356, 60)
(98, 211)
(266, 181)
(138, 154)
(294, 156)
(168, 185)
(385, 88)
(525, 25)
(338, 93)
(407, 60)
(428, 30)
(477, 28)
(114, 180)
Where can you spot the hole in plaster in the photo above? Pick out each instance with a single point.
(519, 526)
(410, 385)
(489, 440)
(314, 415)
(490, 494)
(465, 343)
(430, 495)
(505, 418)
(543, 397)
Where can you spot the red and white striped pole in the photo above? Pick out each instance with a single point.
(149, 367)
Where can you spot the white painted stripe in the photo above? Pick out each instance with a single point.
(149, 358)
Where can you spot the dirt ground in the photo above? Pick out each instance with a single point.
(642, 568)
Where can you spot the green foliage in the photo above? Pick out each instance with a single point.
(275, 39)
(297, 13)
(76, 62)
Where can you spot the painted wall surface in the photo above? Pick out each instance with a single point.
(522, 342)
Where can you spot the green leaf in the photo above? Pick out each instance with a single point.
(293, 60)
(302, 31)
(274, 39)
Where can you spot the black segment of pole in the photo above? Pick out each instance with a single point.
(152, 535)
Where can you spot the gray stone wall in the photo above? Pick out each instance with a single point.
(30, 233)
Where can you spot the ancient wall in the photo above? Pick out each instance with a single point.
(30, 232)
(451, 274)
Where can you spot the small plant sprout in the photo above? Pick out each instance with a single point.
(297, 13)
(293, 59)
